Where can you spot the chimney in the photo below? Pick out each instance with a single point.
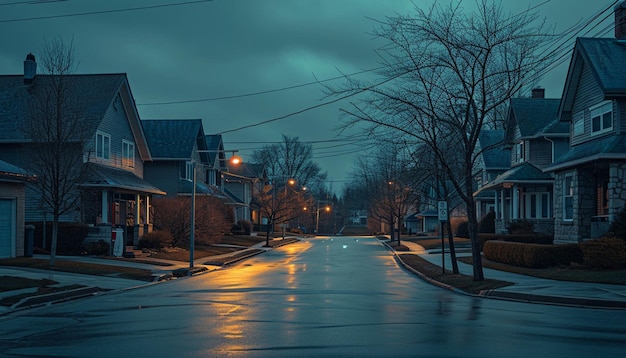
(538, 92)
(620, 20)
(30, 69)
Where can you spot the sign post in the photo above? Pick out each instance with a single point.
(442, 211)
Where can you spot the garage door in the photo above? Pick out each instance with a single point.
(7, 227)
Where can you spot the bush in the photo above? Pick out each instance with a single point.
(488, 223)
(69, 240)
(155, 240)
(531, 255)
(98, 248)
(462, 230)
(604, 253)
(521, 238)
(242, 227)
(521, 227)
(618, 226)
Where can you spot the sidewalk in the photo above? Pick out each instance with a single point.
(161, 270)
(533, 289)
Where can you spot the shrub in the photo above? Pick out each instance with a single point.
(618, 226)
(604, 253)
(521, 227)
(70, 237)
(531, 255)
(242, 227)
(462, 230)
(488, 223)
(98, 248)
(155, 240)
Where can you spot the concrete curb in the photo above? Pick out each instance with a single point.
(518, 296)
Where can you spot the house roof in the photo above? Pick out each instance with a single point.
(248, 170)
(603, 56)
(173, 139)
(610, 147)
(216, 146)
(100, 176)
(525, 173)
(531, 115)
(11, 172)
(494, 155)
(89, 96)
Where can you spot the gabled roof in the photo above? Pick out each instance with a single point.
(525, 173)
(494, 155)
(88, 96)
(216, 147)
(248, 170)
(606, 58)
(174, 139)
(99, 176)
(531, 115)
(611, 147)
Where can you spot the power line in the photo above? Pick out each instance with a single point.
(103, 11)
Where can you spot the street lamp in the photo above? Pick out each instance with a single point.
(192, 232)
(317, 218)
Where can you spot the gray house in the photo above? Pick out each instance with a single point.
(494, 159)
(589, 185)
(12, 197)
(534, 139)
(112, 190)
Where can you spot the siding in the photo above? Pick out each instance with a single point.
(540, 152)
(15, 191)
(588, 93)
(115, 123)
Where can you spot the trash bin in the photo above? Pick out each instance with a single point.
(29, 240)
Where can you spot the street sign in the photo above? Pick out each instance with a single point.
(442, 210)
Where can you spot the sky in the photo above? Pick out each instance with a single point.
(247, 68)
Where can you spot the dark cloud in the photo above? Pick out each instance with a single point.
(231, 47)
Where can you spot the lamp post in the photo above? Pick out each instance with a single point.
(290, 182)
(317, 217)
(192, 231)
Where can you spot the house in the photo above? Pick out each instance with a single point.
(179, 152)
(241, 183)
(589, 185)
(111, 191)
(12, 197)
(493, 159)
(534, 139)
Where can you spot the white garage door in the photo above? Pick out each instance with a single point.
(7, 227)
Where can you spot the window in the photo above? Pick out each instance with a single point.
(579, 123)
(128, 154)
(602, 117)
(187, 170)
(103, 146)
(519, 152)
(568, 198)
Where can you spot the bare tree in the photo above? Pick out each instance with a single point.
(57, 132)
(447, 75)
(289, 165)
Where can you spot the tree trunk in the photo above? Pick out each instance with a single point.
(472, 227)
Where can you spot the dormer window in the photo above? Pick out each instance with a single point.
(601, 117)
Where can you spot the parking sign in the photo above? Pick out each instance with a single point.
(442, 209)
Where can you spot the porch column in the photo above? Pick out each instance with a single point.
(502, 208)
(148, 219)
(496, 206)
(515, 203)
(137, 209)
(104, 210)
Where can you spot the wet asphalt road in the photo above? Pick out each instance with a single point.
(335, 297)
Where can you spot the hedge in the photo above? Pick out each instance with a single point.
(532, 255)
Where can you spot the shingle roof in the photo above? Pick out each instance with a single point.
(91, 95)
(525, 173)
(11, 172)
(610, 147)
(606, 56)
(494, 156)
(106, 177)
(172, 138)
(533, 114)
